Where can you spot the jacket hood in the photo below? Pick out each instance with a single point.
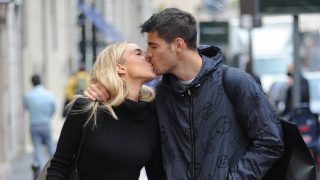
(211, 59)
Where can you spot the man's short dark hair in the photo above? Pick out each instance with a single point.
(36, 80)
(172, 23)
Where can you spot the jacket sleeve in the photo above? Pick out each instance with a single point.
(260, 124)
(68, 143)
(154, 167)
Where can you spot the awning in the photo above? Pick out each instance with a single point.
(99, 21)
(5, 1)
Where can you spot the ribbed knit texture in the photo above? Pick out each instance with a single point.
(114, 149)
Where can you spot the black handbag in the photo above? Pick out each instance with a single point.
(73, 175)
(296, 162)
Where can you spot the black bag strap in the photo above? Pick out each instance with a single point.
(225, 68)
(83, 136)
(84, 133)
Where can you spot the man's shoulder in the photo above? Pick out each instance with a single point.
(30, 93)
(26, 97)
(236, 75)
(45, 91)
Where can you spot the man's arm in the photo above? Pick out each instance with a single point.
(260, 123)
(96, 92)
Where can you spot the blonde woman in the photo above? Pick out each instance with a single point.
(122, 134)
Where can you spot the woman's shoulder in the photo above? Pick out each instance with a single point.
(82, 100)
(80, 103)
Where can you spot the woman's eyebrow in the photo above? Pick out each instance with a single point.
(138, 50)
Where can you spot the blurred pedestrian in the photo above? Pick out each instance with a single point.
(203, 136)
(121, 135)
(249, 70)
(304, 90)
(239, 60)
(76, 84)
(40, 104)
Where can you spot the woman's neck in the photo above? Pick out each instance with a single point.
(133, 90)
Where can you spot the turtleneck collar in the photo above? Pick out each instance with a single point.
(133, 110)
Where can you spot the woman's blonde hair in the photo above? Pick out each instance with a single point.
(104, 72)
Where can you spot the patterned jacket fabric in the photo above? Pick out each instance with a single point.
(204, 137)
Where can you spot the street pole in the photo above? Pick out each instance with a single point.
(296, 74)
(82, 43)
(250, 53)
(94, 42)
(94, 39)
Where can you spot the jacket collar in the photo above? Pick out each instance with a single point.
(211, 60)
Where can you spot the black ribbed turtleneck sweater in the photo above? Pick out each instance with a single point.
(113, 149)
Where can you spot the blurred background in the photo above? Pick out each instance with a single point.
(54, 37)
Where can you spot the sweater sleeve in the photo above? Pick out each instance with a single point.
(260, 123)
(68, 143)
(154, 167)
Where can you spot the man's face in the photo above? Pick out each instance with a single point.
(137, 67)
(160, 54)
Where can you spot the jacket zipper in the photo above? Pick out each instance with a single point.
(192, 137)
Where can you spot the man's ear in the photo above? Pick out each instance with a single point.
(179, 45)
(121, 69)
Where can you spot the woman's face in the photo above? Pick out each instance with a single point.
(137, 67)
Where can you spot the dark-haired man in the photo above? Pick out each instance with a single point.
(203, 136)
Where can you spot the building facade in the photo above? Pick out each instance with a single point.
(11, 114)
(42, 36)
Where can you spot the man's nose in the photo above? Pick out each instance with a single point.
(148, 52)
(148, 56)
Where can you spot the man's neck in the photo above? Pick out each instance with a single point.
(189, 66)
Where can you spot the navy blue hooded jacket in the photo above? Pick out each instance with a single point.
(204, 137)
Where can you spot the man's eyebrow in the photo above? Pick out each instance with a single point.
(151, 43)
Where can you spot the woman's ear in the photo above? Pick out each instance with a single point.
(121, 69)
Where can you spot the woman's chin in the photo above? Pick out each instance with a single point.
(150, 79)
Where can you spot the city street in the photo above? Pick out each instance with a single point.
(21, 169)
(51, 51)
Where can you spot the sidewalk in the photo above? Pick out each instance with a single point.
(21, 168)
